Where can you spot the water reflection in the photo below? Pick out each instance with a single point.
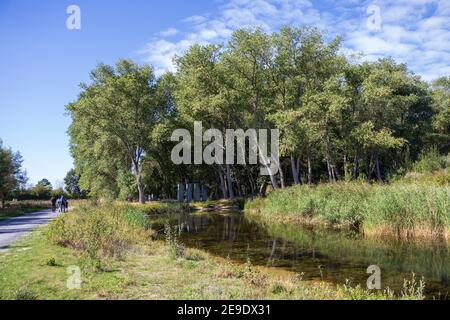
(317, 254)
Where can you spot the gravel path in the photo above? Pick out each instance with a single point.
(14, 228)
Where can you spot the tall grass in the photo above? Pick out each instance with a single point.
(17, 208)
(100, 230)
(400, 210)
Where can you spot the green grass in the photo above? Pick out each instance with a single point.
(151, 272)
(411, 210)
(36, 266)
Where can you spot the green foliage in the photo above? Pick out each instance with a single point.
(41, 191)
(441, 106)
(172, 235)
(71, 181)
(430, 161)
(112, 121)
(100, 231)
(399, 210)
(408, 211)
(51, 262)
(11, 174)
(340, 119)
(25, 293)
(136, 216)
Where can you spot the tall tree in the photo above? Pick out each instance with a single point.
(441, 108)
(71, 182)
(11, 174)
(112, 121)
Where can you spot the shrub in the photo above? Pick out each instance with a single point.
(172, 235)
(99, 231)
(430, 161)
(51, 262)
(25, 293)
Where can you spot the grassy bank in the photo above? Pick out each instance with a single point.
(400, 210)
(18, 208)
(112, 246)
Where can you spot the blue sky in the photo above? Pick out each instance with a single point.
(42, 62)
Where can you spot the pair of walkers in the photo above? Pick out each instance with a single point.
(61, 203)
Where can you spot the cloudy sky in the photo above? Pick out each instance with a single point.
(413, 31)
(42, 61)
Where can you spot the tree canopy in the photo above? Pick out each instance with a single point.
(339, 117)
(11, 174)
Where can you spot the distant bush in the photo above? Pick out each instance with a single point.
(430, 161)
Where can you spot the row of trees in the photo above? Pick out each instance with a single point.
(11, 174)
(13, 181)
(43, 189)
(339, 118)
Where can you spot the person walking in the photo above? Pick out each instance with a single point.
(62, 204)
(53, 201)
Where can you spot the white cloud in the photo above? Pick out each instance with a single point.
(168, 33)
(413, 31)
(195, 19)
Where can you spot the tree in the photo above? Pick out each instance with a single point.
(71, 182)
(307, 94)
(247, 62)
(45, 183)
(441, 107)
(43, 189)
(11, 174)
(112, 123)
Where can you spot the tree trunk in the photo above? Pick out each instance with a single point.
(328, 158)
(378, 170)
(299, 175)
(295, 172)
(140, 189)
(2, 201)
(330, 174)
(223, 187)
(310, 179)
(263, 188)
(252, 183)
(283, 184)
(229, 182)
(137, 172)
(368, 168)
(355, 173)
(333, 173)
(239, 188)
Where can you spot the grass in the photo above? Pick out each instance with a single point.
(18, 208)
(137, 268)
(400, 210)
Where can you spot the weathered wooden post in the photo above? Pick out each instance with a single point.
(180, 192)
(204, 193)
(197, 192)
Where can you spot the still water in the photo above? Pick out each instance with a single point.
(317, 254)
